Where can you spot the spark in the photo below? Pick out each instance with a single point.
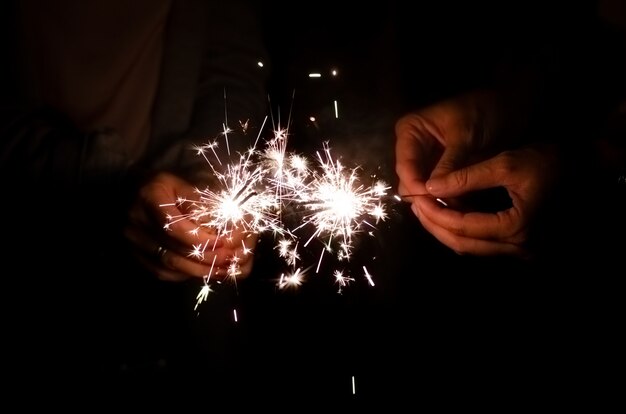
(253, 192)
(203, 295)
(342, 280)
(336, 109)
(244, 125)
(246, 250)
(233, 269)
(337, 204)
(368, 276)
(285, 251)
(292, 280)
(315, 75)
(240, 201)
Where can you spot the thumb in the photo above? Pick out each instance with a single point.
(475, 177)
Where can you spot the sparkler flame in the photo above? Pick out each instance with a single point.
(339, 204)
(255, 191)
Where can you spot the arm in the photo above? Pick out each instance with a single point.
(230, 88)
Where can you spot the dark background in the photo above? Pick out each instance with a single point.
(436, 327)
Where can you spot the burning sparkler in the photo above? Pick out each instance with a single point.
(338, 204)
(264, 185)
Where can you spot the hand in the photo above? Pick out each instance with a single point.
(442, 138)
(175, 248)
(528, 175)
(458, 132)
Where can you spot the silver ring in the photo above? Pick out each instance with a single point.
(160, 252)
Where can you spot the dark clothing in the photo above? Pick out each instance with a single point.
(80, 308)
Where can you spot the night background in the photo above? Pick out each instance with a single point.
(437, 327)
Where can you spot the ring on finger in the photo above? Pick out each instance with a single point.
(160, 252)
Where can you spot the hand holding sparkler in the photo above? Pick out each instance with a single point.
(447, 151)
(173, 245)
(528, 175)
(257, 190)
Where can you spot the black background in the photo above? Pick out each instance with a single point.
(436, 327)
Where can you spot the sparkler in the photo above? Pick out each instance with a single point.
(337, 205)
(407, 198)
(266, 184)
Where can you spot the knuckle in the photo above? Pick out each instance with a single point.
(402, 122)
(507, 163)
(459, 231)
(461, 178)
(408, 122)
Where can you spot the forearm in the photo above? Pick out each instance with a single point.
(230, 102)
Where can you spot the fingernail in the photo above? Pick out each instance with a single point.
(415, 210)
(433, 185)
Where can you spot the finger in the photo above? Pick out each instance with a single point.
(147, 244)
(406, 194)
(237, 238)
(237, 243)
(452, 158)
(472, 246)
(416, 152)
(165, 254)
(245, 268)
(143, 233)
(168, 202)
(402, 189)
(220, 258)
(411, 181)
(186, 232)
(243, 257)
(480, 176)
(496, 226)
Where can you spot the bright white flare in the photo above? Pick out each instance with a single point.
(331, 202)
